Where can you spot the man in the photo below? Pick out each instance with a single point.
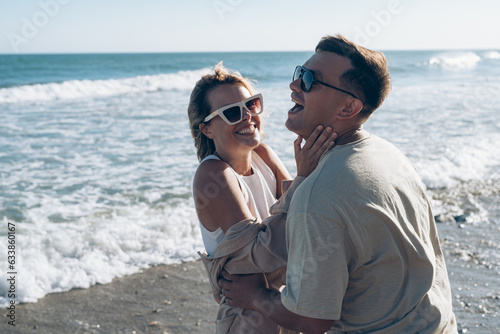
(363, 250)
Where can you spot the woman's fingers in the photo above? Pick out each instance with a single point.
(323, 138)
(317, 144)
(327, 145)
(312, 137)
(320, 142)
(296, 144)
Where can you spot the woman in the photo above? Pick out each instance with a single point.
(238, 180)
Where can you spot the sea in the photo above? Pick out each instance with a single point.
(97, 162)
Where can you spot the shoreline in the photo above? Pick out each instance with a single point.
(164, 299)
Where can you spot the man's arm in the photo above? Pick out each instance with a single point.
(250, 292)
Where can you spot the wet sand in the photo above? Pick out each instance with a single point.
(164, 299)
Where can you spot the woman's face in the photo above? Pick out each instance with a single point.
(231, 138)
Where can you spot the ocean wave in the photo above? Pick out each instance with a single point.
(76, 89)
(455, 60)
(491, 55)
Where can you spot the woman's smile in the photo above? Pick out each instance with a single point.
(247, 129)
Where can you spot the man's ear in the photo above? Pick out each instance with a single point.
(351, 109)
(205, 129)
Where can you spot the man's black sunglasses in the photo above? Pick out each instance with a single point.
(307, 80)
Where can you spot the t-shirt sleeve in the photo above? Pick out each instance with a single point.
(317, 268)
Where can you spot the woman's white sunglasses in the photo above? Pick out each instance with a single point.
(233, 113)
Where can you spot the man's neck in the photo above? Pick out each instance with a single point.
(352, 135)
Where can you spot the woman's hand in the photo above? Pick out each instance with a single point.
(317, 145)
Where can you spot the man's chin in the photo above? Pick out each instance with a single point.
(290, 126)
(295, 129)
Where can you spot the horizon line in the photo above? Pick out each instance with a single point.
(227, 51)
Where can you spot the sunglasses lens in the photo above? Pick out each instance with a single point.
(307, 81)
(296, 74)
(254, 105)
(233, 114)
(307, 78)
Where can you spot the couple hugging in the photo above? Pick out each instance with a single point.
(348, 246)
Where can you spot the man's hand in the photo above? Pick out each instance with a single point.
(317, 145)
(242, 290)
(250, 292)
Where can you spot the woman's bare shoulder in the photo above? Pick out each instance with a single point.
(218, 198)
(212, 170)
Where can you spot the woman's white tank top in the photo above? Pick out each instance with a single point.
(259, 191)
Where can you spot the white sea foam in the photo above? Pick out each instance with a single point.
(75, 89)
(56, 257)
(455, 60)
(462, 161)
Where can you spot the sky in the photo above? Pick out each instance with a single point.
(102, 26)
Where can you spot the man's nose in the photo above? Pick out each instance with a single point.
(295, 85)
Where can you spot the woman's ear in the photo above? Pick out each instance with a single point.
(205, 129)
(351, 109)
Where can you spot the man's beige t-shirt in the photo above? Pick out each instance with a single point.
(363, 248)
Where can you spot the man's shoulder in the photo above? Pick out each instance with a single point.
(347, 168)
(378, 142)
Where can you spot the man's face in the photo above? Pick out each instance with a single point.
(321, 105)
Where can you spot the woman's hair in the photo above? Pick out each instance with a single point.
(199, 107)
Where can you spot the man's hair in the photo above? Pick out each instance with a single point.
(199, 107)
(369, 77)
